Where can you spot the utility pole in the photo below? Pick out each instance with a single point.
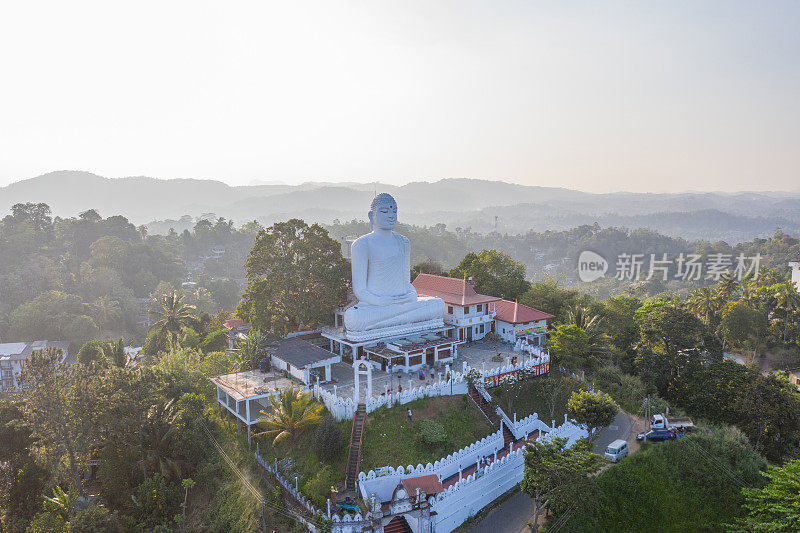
(648, 412)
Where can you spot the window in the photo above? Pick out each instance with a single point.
(482, 328)
(450, 309)
(466, 310)
(479, 308)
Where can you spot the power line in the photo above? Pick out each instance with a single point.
(249, 486)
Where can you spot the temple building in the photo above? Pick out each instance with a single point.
(514, 321)
(471, 313)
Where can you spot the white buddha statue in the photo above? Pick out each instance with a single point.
(381, 266)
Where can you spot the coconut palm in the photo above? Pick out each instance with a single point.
(592, 325)
(703, 303)
(114, 352)
(174, 317)
(250, 349)
(726, 288)
(156, 439)
(295, 412)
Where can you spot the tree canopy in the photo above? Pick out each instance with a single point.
(296, 277)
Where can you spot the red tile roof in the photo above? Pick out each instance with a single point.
(516, 313)
(452, 290)
(429, 484)
(235, 323)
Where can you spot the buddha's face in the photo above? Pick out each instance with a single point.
(385, 216)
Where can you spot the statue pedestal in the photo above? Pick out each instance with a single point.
(393, 331)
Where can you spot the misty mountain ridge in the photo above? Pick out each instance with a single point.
(457, 202)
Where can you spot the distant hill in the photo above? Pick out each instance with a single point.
(468, 203)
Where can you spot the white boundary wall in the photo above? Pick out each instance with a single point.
(467, 497)
(383, 481)
(345, 408)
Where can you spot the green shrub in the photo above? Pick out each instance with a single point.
(318, 488)
(216, 341)
(118, 474)
(156, 501)
(431, 432)
(680, 485)
(46, 522)
(327, 439)
(93, 519)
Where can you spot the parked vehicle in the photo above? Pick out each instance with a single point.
(662, 422)
(657, 435)
(617, 450)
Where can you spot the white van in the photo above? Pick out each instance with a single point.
(617, 450)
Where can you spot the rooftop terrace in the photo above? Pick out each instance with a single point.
(249, 383)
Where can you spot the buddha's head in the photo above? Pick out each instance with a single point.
(383, 212)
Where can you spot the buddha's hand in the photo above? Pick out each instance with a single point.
(394, 300)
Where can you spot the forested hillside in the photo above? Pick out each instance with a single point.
(88, 276)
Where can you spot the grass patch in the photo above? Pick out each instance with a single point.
(391, 440)
(546, 396)
(219, 501)
(315, 475)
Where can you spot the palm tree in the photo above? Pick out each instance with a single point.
(787, 298)
(592, 325)
(156, 439)
(295, 412)
(250, 349)
(114, 352)
(703, 303)
(726, 288)
(62, 502)
(174, 317)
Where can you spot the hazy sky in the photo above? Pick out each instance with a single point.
(599, 96)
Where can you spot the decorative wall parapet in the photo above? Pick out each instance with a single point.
(345, 408)
(288, 485)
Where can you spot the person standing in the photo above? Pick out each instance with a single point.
(409, 415)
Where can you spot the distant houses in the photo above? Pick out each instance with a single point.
(237, 330)
(14, 354)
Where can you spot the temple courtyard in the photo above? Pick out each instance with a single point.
(477, 354)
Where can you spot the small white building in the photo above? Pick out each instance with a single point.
(303, 360)
(14, 354)
(514, 321)
(796, 273)
(246, 394)
(471, 313)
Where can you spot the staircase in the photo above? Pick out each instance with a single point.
(482, 404)
(354, 455)
(398, 524)
(508, 437)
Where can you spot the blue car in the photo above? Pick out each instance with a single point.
(656, 435)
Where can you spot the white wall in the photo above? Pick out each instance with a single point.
(796, 275)
(510, 329)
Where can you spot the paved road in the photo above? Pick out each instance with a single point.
(620, 428)
(513, 515)
(510, 517)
